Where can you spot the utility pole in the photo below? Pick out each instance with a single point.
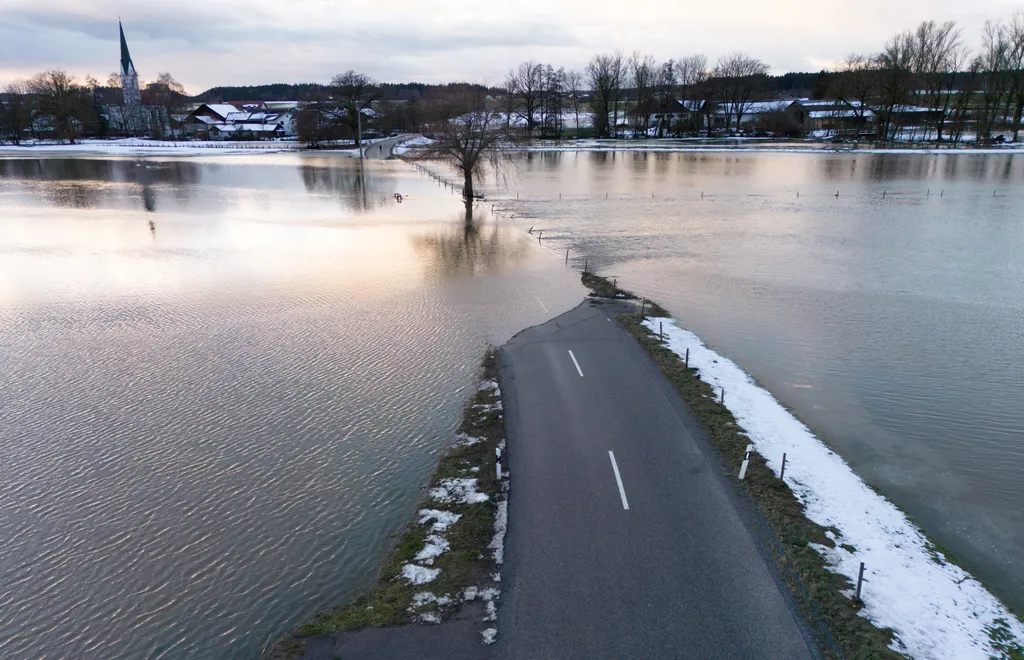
(359, 131)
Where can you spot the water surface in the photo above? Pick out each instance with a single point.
(225, 380)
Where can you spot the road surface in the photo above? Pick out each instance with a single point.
(624, 540)
(383, 148)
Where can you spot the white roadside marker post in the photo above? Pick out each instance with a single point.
(746, 462)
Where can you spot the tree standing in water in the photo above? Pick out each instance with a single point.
(469, 136)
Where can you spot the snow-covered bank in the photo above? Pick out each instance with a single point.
(138, 147)
(682, 147)
(409, 145)
(936, 609)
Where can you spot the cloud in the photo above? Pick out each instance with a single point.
(206, 43)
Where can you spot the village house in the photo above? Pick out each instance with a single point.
(675, 115)
(828, 117)
(753, 114)
(247, 120)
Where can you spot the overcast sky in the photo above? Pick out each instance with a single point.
(204, 43)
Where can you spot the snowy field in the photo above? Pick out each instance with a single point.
(936, 609)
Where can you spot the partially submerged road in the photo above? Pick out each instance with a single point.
(624, 541)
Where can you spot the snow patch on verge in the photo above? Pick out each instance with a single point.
(436, 546)
(424, 597)
(419, 574)
(464, 440)
(442, 519)
(936, 610)
(497, 543)
(489, 635)
(461, 490)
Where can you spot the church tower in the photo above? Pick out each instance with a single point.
(132, 107)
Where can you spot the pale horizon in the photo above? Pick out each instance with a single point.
(203, 45)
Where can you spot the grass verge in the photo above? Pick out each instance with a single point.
(465, 563)
(816, 590)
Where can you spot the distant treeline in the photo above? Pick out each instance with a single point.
(315, 92)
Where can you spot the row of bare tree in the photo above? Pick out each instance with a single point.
(931, 67)
(54, 105)
(632, 87)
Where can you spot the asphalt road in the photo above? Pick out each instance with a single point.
(382, 149)
(677, 574)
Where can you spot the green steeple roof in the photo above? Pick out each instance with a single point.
(127, 67)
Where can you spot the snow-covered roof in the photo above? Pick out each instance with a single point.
(222, 109)
(828, 103)
(755, 108)
(761, 107)
(281, 105)
(910, 108)
(678, 105)
(838, 111)
(253, 128)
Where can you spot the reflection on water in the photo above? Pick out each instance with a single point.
(357, 188)
(212, 424)
(473, 243)
(879, 296)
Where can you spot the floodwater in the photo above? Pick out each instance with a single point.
(879, 296)
(224, 381)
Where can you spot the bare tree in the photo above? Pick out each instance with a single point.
(643, 71)
(525, 84)
(741, 78)
(1016, 68)
(552, 95)
(353, 94)
(938, 57)
(59, 98)
(604, 76)
(116, 113)
(993, 62)
(468, 136)
(665, 92)
(698, 89)
(509, 103)
(894, 66)
(15, 113)
(574, 87)
(962, 106)
(314, 125)
(854, 86)
(167, 95)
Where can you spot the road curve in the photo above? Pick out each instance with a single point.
(383, 149)
(624, 540)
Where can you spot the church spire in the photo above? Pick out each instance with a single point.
(127, 67)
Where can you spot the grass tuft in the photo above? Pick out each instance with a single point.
(1004, 646)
